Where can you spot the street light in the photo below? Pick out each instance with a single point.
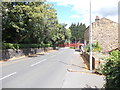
(90, 39)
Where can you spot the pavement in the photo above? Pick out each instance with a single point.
(78, 76)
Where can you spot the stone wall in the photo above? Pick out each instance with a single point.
(86, 58)
(105, 32)
(10, 53)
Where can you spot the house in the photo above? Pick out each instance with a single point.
(105, 32)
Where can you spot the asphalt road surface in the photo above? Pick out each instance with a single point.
(41, 71)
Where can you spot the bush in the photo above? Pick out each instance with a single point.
(19, 46)
(7, 46)
(111, 69)
(87, 48)
(72, 47)
(95, 47)
(16, 46)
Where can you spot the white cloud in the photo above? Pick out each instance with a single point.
(101, 8)
(75, 16)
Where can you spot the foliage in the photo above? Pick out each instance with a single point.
(77, 32)
(111, 69)
(32, 23)
(20, 46)
(87, 47)
(72, 47)
(7, 46)
(95, 47)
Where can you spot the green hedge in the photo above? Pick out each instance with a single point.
(111, 69)
(19, 46)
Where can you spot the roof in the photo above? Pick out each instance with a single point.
(102, 19)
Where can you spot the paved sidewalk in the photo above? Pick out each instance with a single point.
(79, 77)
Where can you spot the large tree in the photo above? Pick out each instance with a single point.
(77, 32)
(32, 22)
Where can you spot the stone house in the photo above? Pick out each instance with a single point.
(105, 32)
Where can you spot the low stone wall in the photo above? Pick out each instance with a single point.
(86, 57)
(10, 53)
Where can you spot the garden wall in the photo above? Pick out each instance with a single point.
(86, 57)
(10, 53)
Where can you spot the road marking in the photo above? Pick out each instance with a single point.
(8, 76)
(38, 62)
(14, 61)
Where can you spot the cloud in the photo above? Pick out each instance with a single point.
(106, 8)
(75, 16)
(111, 11)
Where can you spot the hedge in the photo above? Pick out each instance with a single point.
(20, 46)
(111, 69)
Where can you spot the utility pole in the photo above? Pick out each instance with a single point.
(90, 39)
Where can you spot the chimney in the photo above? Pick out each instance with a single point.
(97, 18)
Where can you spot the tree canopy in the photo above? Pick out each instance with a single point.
(77, 32)
(31, 23)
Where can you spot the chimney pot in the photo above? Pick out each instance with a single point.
(97, 18)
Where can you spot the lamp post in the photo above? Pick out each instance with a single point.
(90, 39)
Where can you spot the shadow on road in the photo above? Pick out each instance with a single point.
(36, 55)
(71, 64)
(77, 50)
(32, 56)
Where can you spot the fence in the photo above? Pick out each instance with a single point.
(70, 44)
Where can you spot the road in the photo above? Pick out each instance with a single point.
(41, 71)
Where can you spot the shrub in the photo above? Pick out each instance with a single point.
(72, 47)
(16, 46)
(7, 46)
(19, 46)
(95, 47)
(111, 69)
(87, 48)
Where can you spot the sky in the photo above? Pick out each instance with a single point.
(74, 11)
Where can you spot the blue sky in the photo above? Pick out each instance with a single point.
(74, 11)
(65, 14)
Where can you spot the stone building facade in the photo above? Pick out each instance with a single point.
(105, 32)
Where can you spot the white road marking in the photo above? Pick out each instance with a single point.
(8, 76)
(38, 62)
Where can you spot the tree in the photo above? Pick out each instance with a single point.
(32, 22)
(77, 32)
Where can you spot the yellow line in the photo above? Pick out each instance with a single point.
(14, 62)
(22, 58)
